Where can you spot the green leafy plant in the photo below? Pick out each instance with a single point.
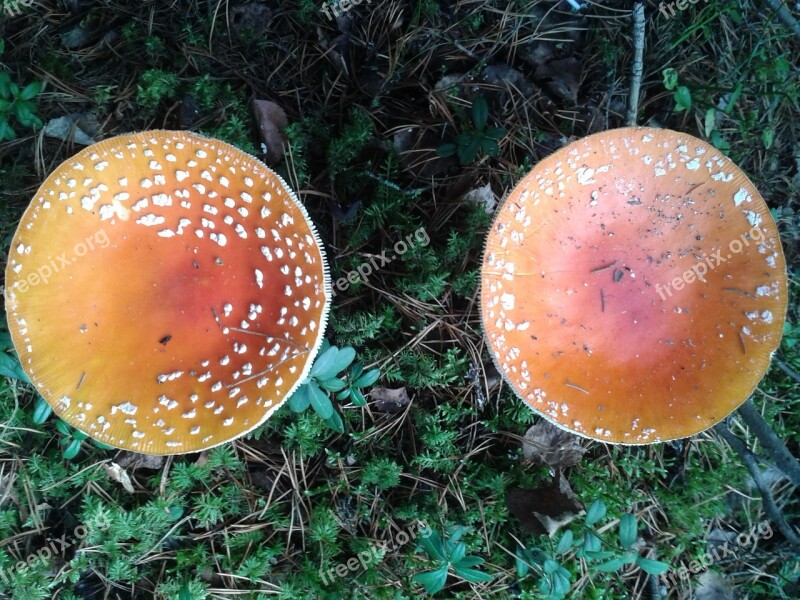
(680, 93)
(451, 552)
(555, 581)
(71, 439)
(324, 376)
(480, 137)
(18, 103)
(156, 85)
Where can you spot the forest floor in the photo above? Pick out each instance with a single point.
(371, 100)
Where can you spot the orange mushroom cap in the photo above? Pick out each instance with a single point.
(166, 292)
(634, 286)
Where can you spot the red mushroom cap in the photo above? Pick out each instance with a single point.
(634, 286)
(166, 292)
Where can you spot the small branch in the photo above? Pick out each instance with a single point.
(787, 369)
(773, 446)
(784, 15)
(750, 461)
(638, 62)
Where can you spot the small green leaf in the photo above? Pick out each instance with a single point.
(496, 133)
(355, 371)
(344, 357)
(551, 566)
(7, 132)
(561, 582)
(719, 142)
(565, 543)
(710, 121)
(446, 150)
(367, 379)
(41, 411)
(10, 367)
(320, 401)
(627, 530)
(300, 400)
(601, 555)
(79, 435)
(185, 593)
(767, 137)
(323, 365)
(72, 449)
(357, 398)
(5, 82)
(480, 112)
(432, 581)
(63, 427)
(490, 146)
(101, 445)
(651, 567)
(612, 565)
(335, 422)
(670, 78)
(454, 534)
(591, 543)
(31, 90)
(468, 151)
(432, 545)
(470, 561)
(523, 564)
(332, 385)
(458, 552)
(683, 98)
(472, 575)
(596, 512)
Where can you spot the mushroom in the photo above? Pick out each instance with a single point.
(634, 287)
(166, 292)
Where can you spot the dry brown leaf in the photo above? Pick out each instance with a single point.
(483, 196)
(544, 509)
(271, 121)
(140, 461)
(120, 475)
(388, 399)
(711, 586)
(546, 444)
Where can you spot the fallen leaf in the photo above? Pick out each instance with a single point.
(251, 17)
(271, 121)
(483, 196)
(78, 128)
(389, 400)
(140, 461)
(544, 510)
(504, 76)
(117, 473)
(564, 78)
(711, 586)
(546, 444)
(416, 148)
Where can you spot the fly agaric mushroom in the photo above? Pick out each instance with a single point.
(166, 292)
(634, 286)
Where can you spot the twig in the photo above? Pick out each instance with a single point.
(750, 461)
(773, 446)
(787, 369)
(784, 15)
(638, 62)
